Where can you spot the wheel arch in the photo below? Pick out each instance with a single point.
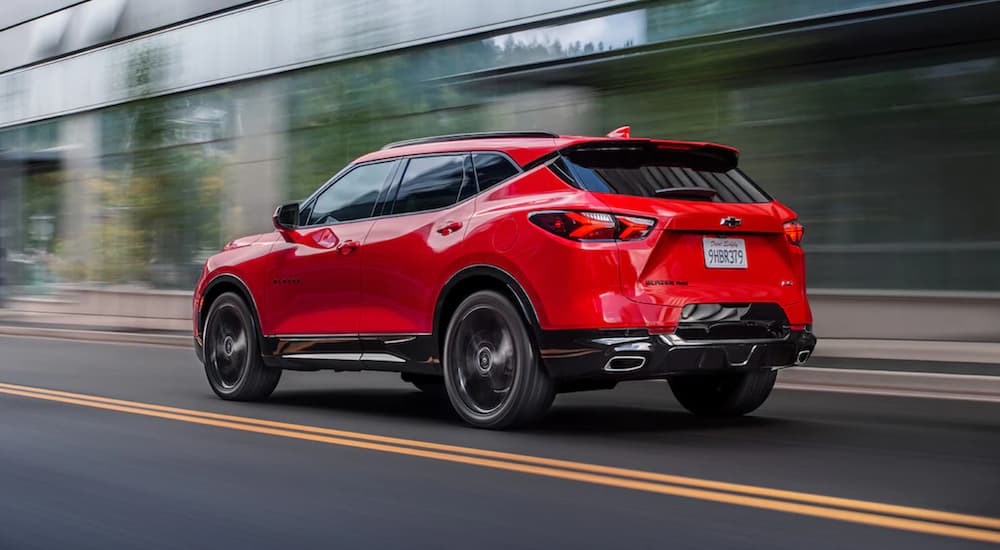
(218, 286)
(482, 277)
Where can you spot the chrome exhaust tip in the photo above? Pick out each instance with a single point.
(802, 356)
(625, 363)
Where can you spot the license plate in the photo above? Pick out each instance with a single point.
(724, 253)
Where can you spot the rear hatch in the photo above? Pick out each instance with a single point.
(718, 237)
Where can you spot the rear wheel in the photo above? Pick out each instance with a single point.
(233, 364)
(723, 394)
(491, 369)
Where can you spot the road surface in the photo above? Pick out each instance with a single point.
(122, 446)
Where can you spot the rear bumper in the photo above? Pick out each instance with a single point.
(615, 355)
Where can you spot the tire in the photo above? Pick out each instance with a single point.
(492, 373)
(723, 394)
(233, 364)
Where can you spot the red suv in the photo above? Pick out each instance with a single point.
(504, 268)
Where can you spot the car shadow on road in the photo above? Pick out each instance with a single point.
(607, 419)
(563, 418)
(402, 403)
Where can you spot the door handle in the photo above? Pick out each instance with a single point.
(347, 247)
(449, 228)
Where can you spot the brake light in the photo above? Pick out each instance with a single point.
(593, 226)
(632, 228)
(793, 232)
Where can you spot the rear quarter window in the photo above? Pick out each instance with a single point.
(492, 168)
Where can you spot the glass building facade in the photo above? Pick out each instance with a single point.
(131, 162)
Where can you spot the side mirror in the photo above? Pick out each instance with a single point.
(286, 217)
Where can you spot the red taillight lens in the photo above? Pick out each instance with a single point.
(593, 226)
(631, 228)
(793, 232)
(579, 226)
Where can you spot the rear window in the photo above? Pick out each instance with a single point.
(642, 174)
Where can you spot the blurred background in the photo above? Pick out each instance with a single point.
(136, 138)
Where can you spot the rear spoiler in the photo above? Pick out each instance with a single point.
(618, 152)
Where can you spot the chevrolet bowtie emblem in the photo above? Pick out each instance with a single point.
(731, 221)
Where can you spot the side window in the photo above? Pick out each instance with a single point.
(492, 168)
(432, 182)
(352, 197)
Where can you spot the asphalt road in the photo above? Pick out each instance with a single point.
(78, 472)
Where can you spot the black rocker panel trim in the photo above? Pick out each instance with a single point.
(414, 353)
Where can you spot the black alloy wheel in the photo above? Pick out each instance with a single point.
(233, 363)
(492, 373)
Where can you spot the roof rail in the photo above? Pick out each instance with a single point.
(473, 135)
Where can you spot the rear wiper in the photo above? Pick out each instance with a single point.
(687, 193)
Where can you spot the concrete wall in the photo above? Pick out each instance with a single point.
(265, 38)
(79, 205)
(252, 179)
(951, 316)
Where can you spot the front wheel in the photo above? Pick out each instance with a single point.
(492, 373)
(233, 364)
(730, 394)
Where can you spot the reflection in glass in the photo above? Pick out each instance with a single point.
(886, 160)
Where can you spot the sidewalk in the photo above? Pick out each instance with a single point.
(850, 324)
(959, 381)
(926, 356)
(845, 369)
(931, 385)
(177, 339)
(842, 361)
(909, 350)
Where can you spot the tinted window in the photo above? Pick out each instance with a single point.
(602, 172)
(432, 182)
(491, 169)
(352, 197)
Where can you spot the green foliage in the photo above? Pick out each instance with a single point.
(342, 111)
(161, 195)
(42, 198)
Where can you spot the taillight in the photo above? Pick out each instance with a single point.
(593, 226)
(632, 228)
(793, 232)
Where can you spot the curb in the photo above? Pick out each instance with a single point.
(107, 337)
(909, 350)
(965, 387)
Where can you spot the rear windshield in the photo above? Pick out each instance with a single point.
(642, 175)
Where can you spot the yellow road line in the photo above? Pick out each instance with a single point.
(296, 432)
(892, 509)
